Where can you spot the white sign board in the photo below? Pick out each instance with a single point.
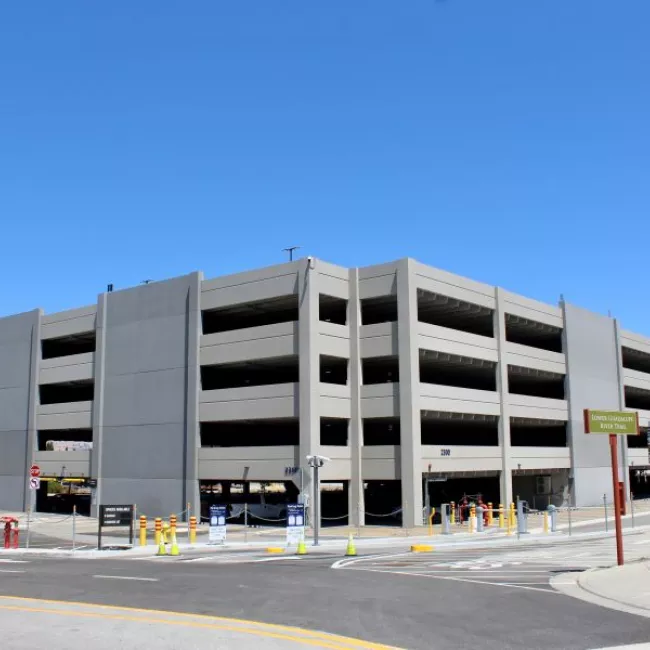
(217, 529)
(295, 523)
(34, 483)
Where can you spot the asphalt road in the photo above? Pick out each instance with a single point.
(449, 599)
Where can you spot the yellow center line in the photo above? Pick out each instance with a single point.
(284, 632)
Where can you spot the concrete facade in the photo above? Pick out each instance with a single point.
(396, 372)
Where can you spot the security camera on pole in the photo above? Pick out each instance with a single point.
(316, 462)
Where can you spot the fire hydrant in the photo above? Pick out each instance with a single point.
(10, 532)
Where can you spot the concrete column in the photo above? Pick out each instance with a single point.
(624, 459)
(309, 367)
(19, 365)
(98, 404)
(355, 493)
(409, 395)
(192, 429)
(29, 498)
(505, 494)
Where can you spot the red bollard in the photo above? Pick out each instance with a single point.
(16, 534)
(10, 534)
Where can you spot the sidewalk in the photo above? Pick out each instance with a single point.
(625, 588)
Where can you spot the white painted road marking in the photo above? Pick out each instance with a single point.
(11, 571)
(509, 585)
(7, 561)
(126, 578)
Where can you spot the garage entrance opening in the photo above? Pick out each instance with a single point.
(266, 501)
(383, 503)
(459, 485)
(640, 482)
(60, 495)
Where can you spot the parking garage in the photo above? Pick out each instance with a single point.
(536, 383)
(436, 309)
(454, 370)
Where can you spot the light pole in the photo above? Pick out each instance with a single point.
(316, 462)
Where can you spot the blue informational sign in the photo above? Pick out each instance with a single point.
(217, 530)
(295, 523)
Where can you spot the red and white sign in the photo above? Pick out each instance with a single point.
(35, 471)
(34, 483)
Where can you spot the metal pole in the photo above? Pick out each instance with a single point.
(189, 512)
(569, 519)
(99, 529)
(29, 510)
(246, 522)
(605, 505)
(427, 498)
(316, 522)
(632, 507)
(613, 445)
(74, 528)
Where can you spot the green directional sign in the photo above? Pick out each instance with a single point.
(623, 423)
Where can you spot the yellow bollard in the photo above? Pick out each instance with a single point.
(157, 530)
(452, 515)
(545, 522)
(143, 530)
(513, 519)
(490, 514)
(172, 523)
(433, 512)
(472, 519)
(192, 530)
(502, 523)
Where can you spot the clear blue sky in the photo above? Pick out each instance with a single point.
(505, 140)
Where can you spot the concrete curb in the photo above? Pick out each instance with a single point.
(576, 586)
(459, 540)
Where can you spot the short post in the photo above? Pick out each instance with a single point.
(157, 530)
(502, 523)
(552, 510)
(29, 512)
(569, 520)
(74, 528)
(632, 507)
(188, 516)
(433, 512)
(246, 522)
(479, 519)
(605, 506)
(172, 524)
(472, 519)
(522, 520)
(545, 521)
(452, 516)
(490, 513)
(513, 519)
(444, 514)
(192, 528)
(143, 530)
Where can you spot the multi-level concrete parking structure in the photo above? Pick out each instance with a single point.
(396, 372)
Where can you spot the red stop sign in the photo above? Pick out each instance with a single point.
(35, 471)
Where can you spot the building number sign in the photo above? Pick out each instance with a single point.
(445, 452)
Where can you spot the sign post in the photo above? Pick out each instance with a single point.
(614, 423)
